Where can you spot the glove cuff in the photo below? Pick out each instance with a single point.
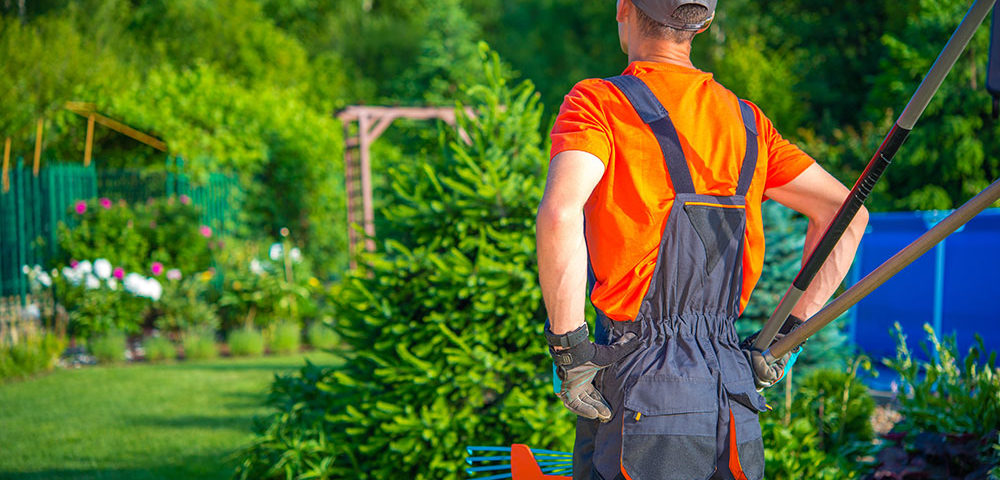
(568, 340)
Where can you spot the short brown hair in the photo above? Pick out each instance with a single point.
(689, 14)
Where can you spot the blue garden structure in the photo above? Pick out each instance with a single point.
(955, 287)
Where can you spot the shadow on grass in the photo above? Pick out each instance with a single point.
(230, 422)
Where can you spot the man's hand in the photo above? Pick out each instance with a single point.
(578, 360)
(765, 375)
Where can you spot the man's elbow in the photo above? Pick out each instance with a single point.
(552, 216)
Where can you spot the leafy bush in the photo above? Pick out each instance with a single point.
(322, 336)
(184, 304)
(442, 324)
(950, 408)
(109, 347)
(284, 338)
(159, 349)
(199, 344)
(32, 354)
(100, 298)
(827, 430)
(246, 342)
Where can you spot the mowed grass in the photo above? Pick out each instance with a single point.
(174, 421)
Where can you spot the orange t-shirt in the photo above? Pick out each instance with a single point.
(628, 209)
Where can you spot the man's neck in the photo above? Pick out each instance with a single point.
(661, 51)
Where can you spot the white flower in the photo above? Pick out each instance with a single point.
(102, 268)
(32, 311)
(25, 269)
(85, 267)
(72, 276)
(113, 283)
(174, 274)
(296, 254)
(45, 279)
(55, 272)
(275, 251)
(37, 269)
(256, 267)
(134, 283)
(92, 282)
(154, 289)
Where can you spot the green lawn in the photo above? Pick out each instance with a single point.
(175, 421)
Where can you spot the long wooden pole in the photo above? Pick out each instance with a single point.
(6, 165)
(38, 147)
(88, 146)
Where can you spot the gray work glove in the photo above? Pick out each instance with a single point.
(578, 362)
(765, 375)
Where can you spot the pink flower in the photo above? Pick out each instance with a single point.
(205, 231)
(118, 273)
(186, 200)
(157, 268)
(106, 203)
(173, 274)
(81, 207)
(73, 263)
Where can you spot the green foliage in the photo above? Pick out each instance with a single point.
(159, 349)
(199, 344)
(108, 348)
(826, 432)
(321, 336)
(184, 305)
(97, 306)
(165, 230)
(947, 394)
(263, 286)
(439, 321)
(31, 355)
(284, 338)
(246, 342)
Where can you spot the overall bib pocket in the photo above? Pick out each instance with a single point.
(669, 428)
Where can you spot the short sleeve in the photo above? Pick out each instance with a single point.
(581, 123)
(785, 160)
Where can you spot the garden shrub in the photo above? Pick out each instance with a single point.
(184, 304)
(100, 298)
(33, 354)
(322, 336)
(442, 325)
(827, 431)
(950, 408)
(109, 347)
(199, 344)
(246, 342)
(159, 349)
(285, 337)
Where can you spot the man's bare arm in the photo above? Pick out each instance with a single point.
(562, 251)
(818, 195)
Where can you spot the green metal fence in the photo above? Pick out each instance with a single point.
(31, 211)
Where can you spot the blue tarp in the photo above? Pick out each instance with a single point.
(955, 287)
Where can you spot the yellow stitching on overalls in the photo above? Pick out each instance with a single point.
(705, 204)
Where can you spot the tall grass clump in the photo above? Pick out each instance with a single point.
(31, 355)
(159, 349)
(108, 348)
(199, 344)
(322, 336)
(285, 337)
(246, 342)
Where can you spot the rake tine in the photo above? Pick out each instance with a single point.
(469, 450)
(487, 468)
(495, 477)
(469, 460)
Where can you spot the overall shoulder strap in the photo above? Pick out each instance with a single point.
(652, 113)
(750, 159)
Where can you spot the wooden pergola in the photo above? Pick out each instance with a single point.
(372, 122)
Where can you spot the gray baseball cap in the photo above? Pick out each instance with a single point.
(663, 11)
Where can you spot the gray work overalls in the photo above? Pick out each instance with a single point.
(685, 400)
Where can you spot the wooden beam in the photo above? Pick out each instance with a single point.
(364, 124)
(90, 110)
(38, 146)
(88, 146)
(6, 165)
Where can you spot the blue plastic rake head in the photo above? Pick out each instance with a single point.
(494, 463)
